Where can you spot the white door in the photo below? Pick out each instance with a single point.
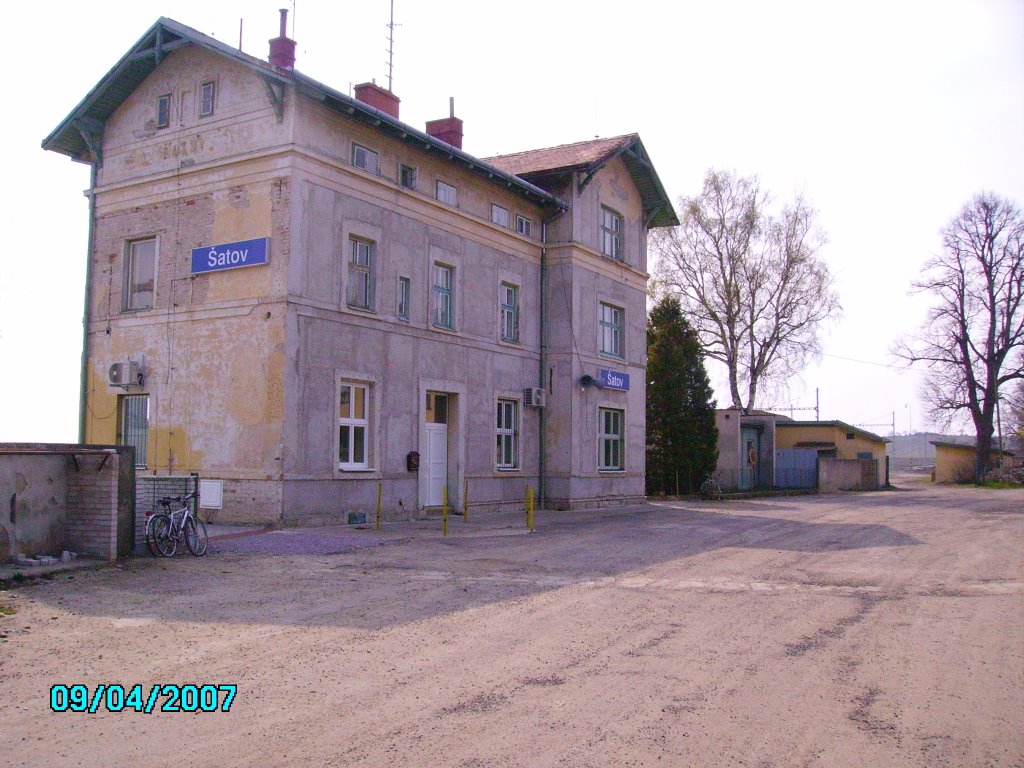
(436, 463)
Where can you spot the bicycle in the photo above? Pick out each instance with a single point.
(711, 489)
(169, 528)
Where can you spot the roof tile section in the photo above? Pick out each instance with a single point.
(582, 154)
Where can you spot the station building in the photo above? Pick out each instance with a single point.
(301, 298)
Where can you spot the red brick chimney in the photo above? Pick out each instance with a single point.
(282, 49)
(448, 129)
(380, 98)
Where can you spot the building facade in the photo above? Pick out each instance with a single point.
(300, 297)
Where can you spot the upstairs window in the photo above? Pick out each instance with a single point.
(446, 193)
(407, 176)
(139, 274)
(444, 304)
(208, 95)
(404, 294)
(499, 215)
(163, 111)
(509, 313)
(611, 330)
(611, 233)
(364, 158)
(360, 274)
(523, 225)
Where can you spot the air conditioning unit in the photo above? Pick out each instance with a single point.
(535, 397)
(126, 374)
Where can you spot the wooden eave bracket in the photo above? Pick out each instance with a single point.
(275, 92)
(588, 178)
(91, 131)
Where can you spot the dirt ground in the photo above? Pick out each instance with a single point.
(876, 629)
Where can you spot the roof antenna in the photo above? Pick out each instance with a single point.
(240, 34)
(391, 45)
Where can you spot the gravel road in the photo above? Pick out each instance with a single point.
(876, 629)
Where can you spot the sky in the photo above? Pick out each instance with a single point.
(887, 116)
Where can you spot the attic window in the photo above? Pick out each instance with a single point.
(849, 435)
(611, 233)
(364, 158)
(208, 96)
(163, 111)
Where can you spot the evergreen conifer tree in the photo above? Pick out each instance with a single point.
(682, 440)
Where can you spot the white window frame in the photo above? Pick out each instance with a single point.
(507, 434)
(499, 215)
(361, 275)
(611, 233)
(611, 330)
(611, 444)
(207, 106)
(365, 158)
(446, 193)
(508, 300)
(443, 294)
(404, 297)
(129, 302)
(524, 226)
(353, 424)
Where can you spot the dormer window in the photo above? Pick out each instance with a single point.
(163, 111)
(208, 96)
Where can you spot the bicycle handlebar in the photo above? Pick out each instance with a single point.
(167, 500)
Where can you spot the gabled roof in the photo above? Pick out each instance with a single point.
(79, 135)
(76, 134)
(588, 157)
(783, 423)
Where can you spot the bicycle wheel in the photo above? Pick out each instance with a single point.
(150, 541)
(195, 536)
(164, 540)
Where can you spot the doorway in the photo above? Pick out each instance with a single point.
(435, 460)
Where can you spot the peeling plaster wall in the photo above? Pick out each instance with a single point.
(243, 366)
(33, 505)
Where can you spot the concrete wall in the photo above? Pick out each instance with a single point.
(847, 475)
(57, 497)
(955, 463)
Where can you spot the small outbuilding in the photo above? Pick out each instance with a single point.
(954, 462)
(840, 441)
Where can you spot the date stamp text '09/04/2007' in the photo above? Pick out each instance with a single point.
(147, 699)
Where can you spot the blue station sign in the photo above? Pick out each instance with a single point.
(613, 379)
(245, 253)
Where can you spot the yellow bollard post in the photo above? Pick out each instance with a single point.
(465, 502)
(444, 511)
(529, 508)
(380, 489)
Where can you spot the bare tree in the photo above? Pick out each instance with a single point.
(750, 283)
(973, 340)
